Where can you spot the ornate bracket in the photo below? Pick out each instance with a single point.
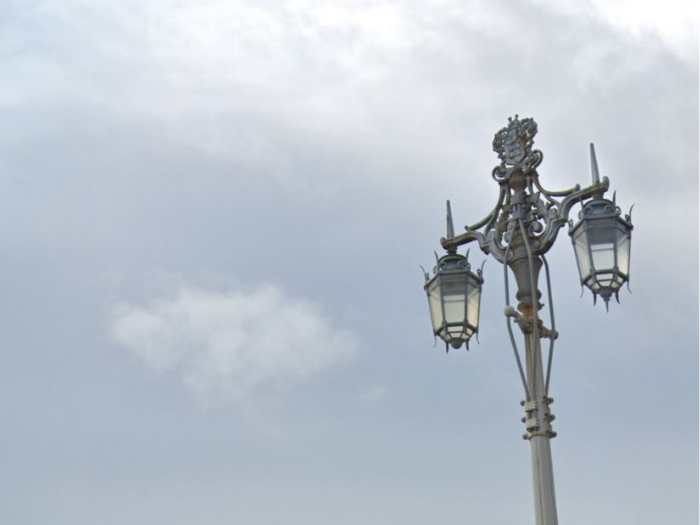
(522, 197)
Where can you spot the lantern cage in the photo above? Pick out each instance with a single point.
(454, 298)
(601, 242)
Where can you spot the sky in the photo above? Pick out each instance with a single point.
(213, 216)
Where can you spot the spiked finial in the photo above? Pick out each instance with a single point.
(594, 166)
(450, 224)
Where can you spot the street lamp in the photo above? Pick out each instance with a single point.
(602, 244)
(518, 232)
(454, 297)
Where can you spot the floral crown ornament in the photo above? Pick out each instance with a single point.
(513, 144)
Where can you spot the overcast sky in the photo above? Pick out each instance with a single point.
(212, 216)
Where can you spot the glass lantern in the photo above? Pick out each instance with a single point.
(454, 297)
(602, 246)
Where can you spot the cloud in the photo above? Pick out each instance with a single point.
(675, 21)
(232, 345)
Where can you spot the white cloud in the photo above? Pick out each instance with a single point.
(674, 21)
(232, 345)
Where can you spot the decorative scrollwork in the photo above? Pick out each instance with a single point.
(499, 174)
(535, 227)
(522, 199)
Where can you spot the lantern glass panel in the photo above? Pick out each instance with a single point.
(435, 304)
(623, 251)
(473, 304)
(582, 256)
(605, 279)
(454, 288)
(602, 245)
(457, 332)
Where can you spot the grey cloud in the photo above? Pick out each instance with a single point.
(233, 345)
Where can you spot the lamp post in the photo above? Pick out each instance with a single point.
(518, 232)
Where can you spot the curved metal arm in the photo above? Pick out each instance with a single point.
(559, 215)
(585, 193)
(465, 238)
(488, 243)
(491, 218)
(548, 194)
(522, 199)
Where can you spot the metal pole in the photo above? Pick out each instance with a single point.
(526, 269)
(542, 472)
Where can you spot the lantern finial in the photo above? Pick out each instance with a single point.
(450, 224)
(595, 175)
